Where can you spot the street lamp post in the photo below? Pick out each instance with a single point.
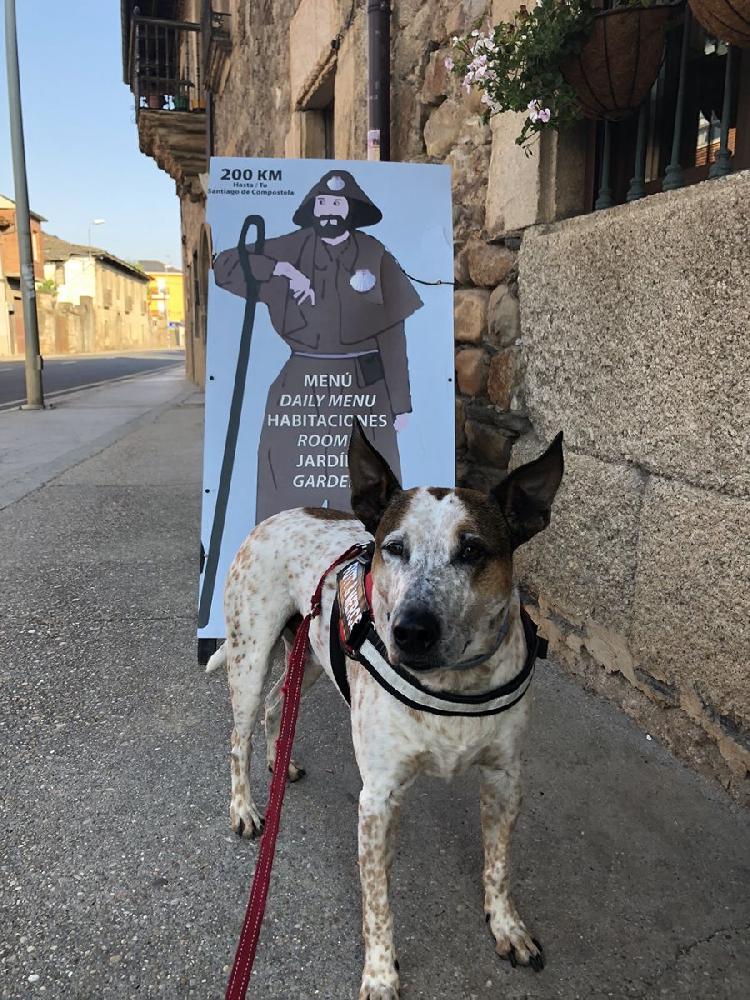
(34, 363)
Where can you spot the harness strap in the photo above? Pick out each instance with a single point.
(368, 650)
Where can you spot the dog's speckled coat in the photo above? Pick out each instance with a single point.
(448, 551)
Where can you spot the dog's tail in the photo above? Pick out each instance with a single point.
(218, 659)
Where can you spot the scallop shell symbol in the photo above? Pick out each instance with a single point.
(336, 183)
(362, 281)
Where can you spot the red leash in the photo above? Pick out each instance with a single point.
(256, 907)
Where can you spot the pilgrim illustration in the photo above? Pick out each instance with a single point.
(339, 300)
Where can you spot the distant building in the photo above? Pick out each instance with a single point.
(116, 290)
(166, 294)
(11, 308)
(6, 304)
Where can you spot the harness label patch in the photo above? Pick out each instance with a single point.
(352, 593)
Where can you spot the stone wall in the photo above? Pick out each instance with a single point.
(86, 329)
(434, 120)
(634, 325)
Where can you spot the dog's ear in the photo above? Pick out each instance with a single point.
(525, 496)
(373, 483)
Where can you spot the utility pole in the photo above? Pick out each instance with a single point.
(34, 363)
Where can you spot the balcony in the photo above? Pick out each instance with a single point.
(216, 44)
(164, 70)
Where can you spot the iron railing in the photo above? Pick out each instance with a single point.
(165, 64)
(687, 128)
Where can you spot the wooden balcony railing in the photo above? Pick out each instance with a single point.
(165, 65)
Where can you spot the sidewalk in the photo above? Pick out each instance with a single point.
(36, 446)
(119, 875)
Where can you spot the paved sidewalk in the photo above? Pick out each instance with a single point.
(37, 445)
(118, 874)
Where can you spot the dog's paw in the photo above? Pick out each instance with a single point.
(514, 944)
(245, 819)
(296, 771)
(377, 987)
(378, 991)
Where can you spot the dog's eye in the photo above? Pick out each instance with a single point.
(394, 548)
(470, 552)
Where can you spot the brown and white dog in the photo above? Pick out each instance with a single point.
(448, 613)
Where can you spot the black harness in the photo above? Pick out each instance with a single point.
(353, 636)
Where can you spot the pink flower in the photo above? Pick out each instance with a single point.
(449, 64)
(537, 113)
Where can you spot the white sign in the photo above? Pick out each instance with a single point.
(330, 299)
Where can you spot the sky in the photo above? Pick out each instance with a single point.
(82, 154)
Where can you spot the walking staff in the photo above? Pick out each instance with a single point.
(235, 414)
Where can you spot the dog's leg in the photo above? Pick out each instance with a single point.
(378, 814)
(500, 800)
(313, 670)
(248, 663)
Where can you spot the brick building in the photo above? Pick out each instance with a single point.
(11, 324)
(623, 326)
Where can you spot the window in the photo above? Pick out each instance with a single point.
(329, 136)
(319, 138)
(716, 83)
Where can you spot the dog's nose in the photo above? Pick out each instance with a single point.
(416, 630)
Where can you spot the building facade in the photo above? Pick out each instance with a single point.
(622, 326)
(92, 301)
(166, 297)
(11, 304)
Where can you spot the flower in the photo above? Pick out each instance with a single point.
(449, 64)
(537, 113)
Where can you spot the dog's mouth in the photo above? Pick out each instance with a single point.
(420, 666)
(431, 663)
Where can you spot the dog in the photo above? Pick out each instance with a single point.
(450, 627)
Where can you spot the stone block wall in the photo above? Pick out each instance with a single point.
(435, 121)
(634, 326)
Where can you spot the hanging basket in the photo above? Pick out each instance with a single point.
(619, 61)
(727, 20)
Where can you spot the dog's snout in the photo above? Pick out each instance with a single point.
(416, 630)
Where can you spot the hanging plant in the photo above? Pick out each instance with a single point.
(564, 59)
(620, 59)
(728, 20)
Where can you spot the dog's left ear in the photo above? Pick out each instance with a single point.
(525, 496)
(373, 483)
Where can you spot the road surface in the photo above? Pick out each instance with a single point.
(63, 374)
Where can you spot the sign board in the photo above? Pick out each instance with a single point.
(330, 299)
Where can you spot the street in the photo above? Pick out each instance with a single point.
(63, 374)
